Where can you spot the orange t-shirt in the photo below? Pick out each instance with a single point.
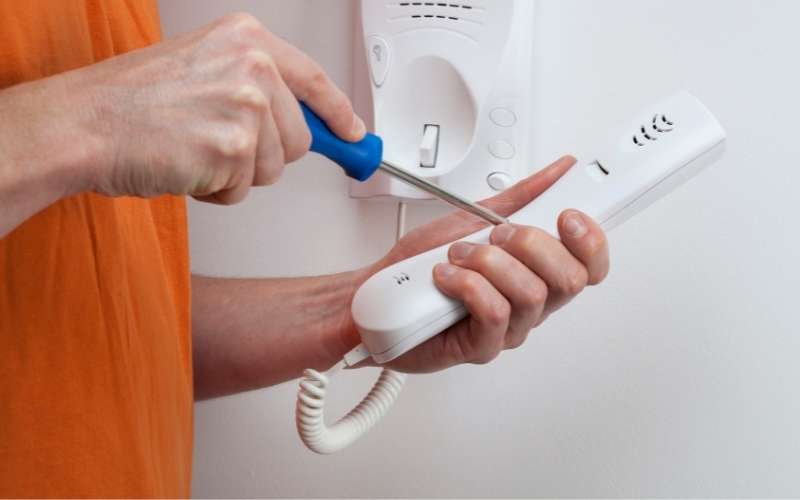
(95, 349)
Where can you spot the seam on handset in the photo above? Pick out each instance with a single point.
(654, 186)
(437, 318)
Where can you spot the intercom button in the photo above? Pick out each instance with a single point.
(503, 150)
(503, 117)
(378, 55)
(499, 181)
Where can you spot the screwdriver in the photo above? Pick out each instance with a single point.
(363, 158)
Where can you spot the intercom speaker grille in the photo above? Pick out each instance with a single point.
(650, 132)
(463, 16)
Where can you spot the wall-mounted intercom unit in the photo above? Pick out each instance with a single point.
(447, 86)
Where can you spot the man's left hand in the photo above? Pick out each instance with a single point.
(508, 286)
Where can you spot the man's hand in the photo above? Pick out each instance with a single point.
(509, 286)
(259, 332)
(209, 113)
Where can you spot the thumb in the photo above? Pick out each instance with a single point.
(526, 190)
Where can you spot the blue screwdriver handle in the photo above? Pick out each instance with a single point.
(358, 159)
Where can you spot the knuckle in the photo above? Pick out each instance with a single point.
(317, 75)
(470, 284)
(497, 315)
(575, 281)
(237, 143)
(487, 256)
(535, 295)
(258, 63)
(241, 22)
(250, 95)
(525, 238)
(593, 245)
(317, 83)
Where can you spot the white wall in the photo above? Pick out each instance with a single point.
(678, 377)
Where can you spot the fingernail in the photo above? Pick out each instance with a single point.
(359, 129)
(461, 250)
(574, 225)
(502, 233)
(445, 270)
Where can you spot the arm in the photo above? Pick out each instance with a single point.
(253, 333)
(208, 114)
(47, 150)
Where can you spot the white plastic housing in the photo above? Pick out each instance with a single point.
(400, 307)
(462, 66)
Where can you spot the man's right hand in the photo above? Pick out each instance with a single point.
(207, 114)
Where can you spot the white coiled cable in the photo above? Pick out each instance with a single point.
(310, 413)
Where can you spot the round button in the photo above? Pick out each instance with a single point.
(499, 181)
(503, 117)
(503, 150)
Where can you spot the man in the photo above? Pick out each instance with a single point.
(101, 353)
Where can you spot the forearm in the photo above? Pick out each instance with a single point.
(46, 152)
(251, 333)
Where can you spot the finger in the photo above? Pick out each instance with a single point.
(294, 133)
(269, 160)
(309, 83)
(587, 242)
(235, 162)
(238, 190)
(489, 312)
(276, 106)
(547, 257)
(439, 352)
(526, 292)
(528, 189)
(459, 223)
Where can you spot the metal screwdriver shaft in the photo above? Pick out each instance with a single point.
(451, 198)
(361, 159)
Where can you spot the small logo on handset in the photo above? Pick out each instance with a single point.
(401, 278)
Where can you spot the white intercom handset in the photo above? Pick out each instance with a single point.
(400, 307)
